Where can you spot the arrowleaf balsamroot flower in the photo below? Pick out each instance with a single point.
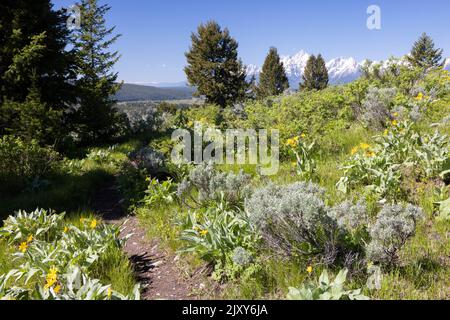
(23, 247)
(52, 277)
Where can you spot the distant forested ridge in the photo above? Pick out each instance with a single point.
(134, 92)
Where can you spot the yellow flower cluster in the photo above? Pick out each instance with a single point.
(52, 278)
(309, 269)
(364, 147)
(420, 96)
(24, 245)
(93, 224)
(204, 232)
(293, 142)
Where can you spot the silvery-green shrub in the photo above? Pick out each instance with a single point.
(242, 257)
(205, 184)
(377, 105)
(293, 220)
(142, 117)
(350, 216)
(395, 224)
(149, 159)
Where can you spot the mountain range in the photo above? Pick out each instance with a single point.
(340, 70)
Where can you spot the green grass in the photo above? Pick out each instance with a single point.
(161, 223)
(114, 268)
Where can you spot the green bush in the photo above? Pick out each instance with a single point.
(21, 162)
(222, 237)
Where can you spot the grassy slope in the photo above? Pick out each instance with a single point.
(424, 274)
(425, 271)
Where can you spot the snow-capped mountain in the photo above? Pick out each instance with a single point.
(447, 64)
(343, 70)
(340, 70)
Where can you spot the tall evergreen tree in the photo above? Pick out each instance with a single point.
(322, 73)
(95, 118)
(36, 72)
(424, 55)
(213, 65)
(273, 79)
(315, 76)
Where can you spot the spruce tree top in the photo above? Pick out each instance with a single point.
(315, 76)
(424, 55)
(273, 79)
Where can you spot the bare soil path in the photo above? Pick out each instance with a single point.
(156, 271)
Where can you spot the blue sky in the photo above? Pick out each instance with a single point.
(156, 33)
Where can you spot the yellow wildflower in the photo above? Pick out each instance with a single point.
(354, 150)
(394, 123)
(419, 96)
(52, 277)
(66, 229)
(204, 232)
(396, 114)
(303, 135)
(386, 132)
(294, 163)
(109, 292)
(292, 142)
(23, 247)
(364, 146)
(309, 269)
(190, 124)
(57, 289)
(93, 224)
(370, 153)
(30, 238)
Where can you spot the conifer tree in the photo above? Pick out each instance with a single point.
(96, 118)
(273, 79)
(36, 72)
(315, 76)
(322, 73)
(213, 66)
(424, 55)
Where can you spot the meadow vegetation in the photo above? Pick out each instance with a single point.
(359, 208)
